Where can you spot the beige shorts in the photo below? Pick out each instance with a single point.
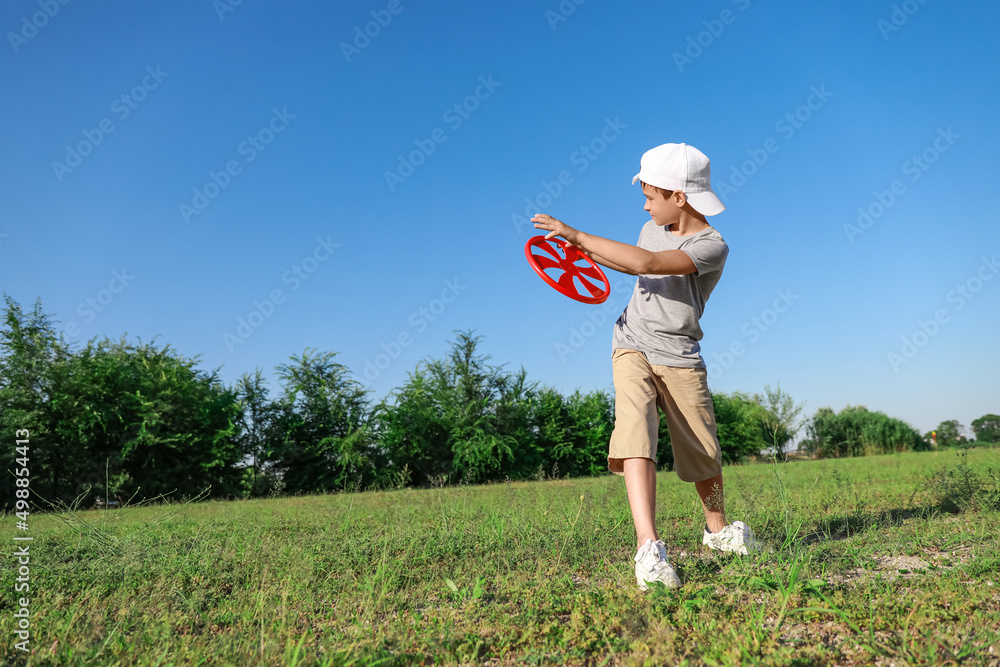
(682, 394)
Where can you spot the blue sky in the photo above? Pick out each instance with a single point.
(171, 168)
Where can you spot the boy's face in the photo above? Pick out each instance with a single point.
(662, 210)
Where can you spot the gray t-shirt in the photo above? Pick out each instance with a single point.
(661, 319)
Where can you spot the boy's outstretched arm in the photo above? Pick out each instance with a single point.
(619, 256)
(605, 262)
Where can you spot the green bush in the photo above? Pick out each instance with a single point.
(123, 419)
(573, 433)
(857, 431)
(463, 420)
(114, 417)
(743, 426)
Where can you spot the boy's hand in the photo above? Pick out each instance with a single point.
(555, 227)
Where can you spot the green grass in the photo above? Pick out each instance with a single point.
(882, 560)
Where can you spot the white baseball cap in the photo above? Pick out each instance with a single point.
(681, 167)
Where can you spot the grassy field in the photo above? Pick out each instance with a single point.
(885, 560)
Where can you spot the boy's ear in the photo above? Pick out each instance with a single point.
(679, 198)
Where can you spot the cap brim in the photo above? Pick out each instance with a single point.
(706, 203)
(649, 181)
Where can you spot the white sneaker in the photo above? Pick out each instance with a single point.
(651, 565)
(736, 537)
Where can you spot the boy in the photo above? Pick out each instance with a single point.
(656, 358)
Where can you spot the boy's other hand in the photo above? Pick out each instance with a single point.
(554, 227)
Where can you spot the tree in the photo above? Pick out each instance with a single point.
(462, 419)
(949, 434)
(320, 440)
(781, 418)
(258, 423)
(987, 428)
(411, 426)
(30, 349)
(553, 429)
(512, 420)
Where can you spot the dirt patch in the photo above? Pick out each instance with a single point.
(886, 567)
(903, 565)
(889, 567)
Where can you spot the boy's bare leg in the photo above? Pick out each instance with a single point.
(710, 491)
(640, 483)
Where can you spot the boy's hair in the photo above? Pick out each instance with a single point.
(665, 193)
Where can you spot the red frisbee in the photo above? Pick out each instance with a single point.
(561, 257)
